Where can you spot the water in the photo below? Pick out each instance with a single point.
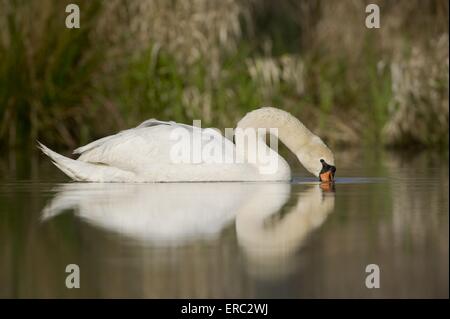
(229, 240)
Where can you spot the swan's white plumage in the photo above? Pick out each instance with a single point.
(143, 153)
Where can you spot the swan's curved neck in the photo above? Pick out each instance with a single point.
(290, 130)
(308, 147)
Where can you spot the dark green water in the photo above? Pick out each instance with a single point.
(226, 240)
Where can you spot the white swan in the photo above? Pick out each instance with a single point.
(145, 153)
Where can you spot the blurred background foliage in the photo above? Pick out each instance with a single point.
(216, 60)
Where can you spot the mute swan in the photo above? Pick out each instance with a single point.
(145, 153)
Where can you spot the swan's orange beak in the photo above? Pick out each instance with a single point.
(327, 172)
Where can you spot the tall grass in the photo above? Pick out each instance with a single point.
(215, 60)
(46, 72)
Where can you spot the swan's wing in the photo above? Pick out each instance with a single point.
(135, 150)
(154, 122)
(144, 148)
(99, 142)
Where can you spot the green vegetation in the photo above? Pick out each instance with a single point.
(216, 60)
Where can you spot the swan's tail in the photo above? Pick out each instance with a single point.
(85, 171)
(70, 167)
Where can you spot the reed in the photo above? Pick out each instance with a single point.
(215, 60)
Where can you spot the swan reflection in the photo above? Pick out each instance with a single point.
(271, 221)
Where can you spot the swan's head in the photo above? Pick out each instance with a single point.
(318, 159)
(327, 172)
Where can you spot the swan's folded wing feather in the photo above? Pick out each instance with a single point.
(94, 144)
(145, 148)
(99, 142)
(131, 150)
(153, 122)
(147, 123)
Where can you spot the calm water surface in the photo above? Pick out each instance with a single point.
(226, 240)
